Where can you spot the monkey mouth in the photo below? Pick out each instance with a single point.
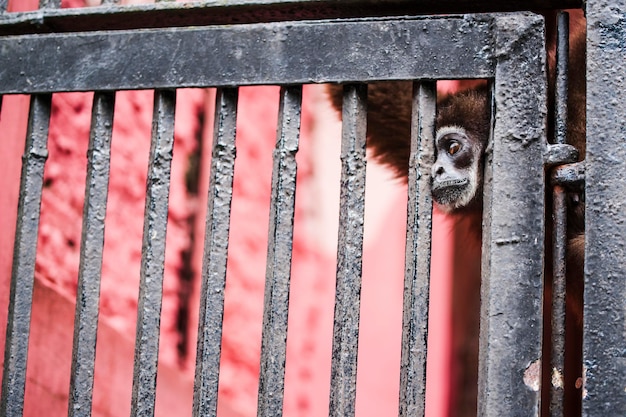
(459, 182)
(449, 192)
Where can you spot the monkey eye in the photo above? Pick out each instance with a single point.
(453, 148)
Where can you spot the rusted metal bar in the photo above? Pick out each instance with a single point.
(559, 232)
(349, 252)
(90, 266)
(559, 245)
(570, 175)
(561, 82)
(513, 225)
(417, 258)
(197, 13)
(153, 255)
(604, 316)
(280, 245)
(558, 154)
(215, 254)
(249, 54)
(24, 255)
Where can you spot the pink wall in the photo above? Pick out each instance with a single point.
(313, 270)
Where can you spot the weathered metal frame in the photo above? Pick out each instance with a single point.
(280, 245)
(505, 48)
(559, 226)
(212, 12)
(92, 247)
(251, 55)
(604, 338)
(513, 227)
(24, 254)
(417, 253)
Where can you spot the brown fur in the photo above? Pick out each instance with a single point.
(389, 118)
(388, 122)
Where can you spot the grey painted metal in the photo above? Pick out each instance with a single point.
(572, 175)
(280, 243)
(24, 254)
(49, 4)
(90, 266)
(559, 231)
(349, 252)
(513, 225)
(561, 81)
(216, 12)
(417, 258)
(215, 253)
(153, 255)
(249, 54)
(604, 339)
(557, 154)
(3, 5)
(559, 254)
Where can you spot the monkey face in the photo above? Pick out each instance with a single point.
(456, 173)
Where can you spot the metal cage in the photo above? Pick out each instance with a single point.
(97, 49)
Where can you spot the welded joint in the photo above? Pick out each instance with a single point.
(559, 154)
(569, 175)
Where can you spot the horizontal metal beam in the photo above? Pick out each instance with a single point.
(168, 14)
(266, 53)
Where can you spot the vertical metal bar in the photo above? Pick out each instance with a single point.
(417, 258)
(559, 236)
(349, 252)
(49, 4)
(90, 267)
(604, 316)
(513, 225)
(153, 255)
(559, 240)
(561, 87)
(280, 243)
(3, 5)
(24, 255)
(215, 254)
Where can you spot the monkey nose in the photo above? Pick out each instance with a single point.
(438, 170)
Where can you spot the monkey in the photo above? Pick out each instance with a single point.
(463, 124)
(456, 175)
